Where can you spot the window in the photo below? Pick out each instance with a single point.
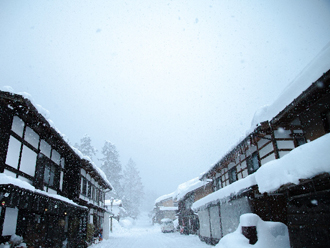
(219, 183)
(13, 153)
(300, 141)
(28, 161)
(56, 157)
(50, 175)
(93, 193)
(45, 148)
(89, 193)
(62, 163)
(18, 126)
(84, 186)
(31, 137)
(253, 163)
(22, 149)
(326, 121)
(232, 175)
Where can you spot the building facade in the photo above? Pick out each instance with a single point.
(48, 192)
(186, 194)
(304, 120)
(165, 207)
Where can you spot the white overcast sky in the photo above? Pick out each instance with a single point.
(173, 84)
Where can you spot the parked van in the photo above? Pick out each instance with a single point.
(167, 225)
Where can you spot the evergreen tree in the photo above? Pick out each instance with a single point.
(86, 147)
(132, 189)
(112, 169)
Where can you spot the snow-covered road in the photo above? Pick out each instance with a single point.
(144, 235)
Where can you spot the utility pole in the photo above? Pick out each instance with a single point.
(111, 216)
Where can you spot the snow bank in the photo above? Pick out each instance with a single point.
(303, 162)
(117, 228)
(270, 235)
(128, 222)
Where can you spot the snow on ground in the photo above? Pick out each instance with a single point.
(142, 234)
(270, 234)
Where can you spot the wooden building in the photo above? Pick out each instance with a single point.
(48, 191)
(188, 193)
(304, 119)
(165, 207)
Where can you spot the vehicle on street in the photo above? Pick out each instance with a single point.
(167, 225)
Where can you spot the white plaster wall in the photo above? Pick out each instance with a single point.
(270, 157)
(282, 134)
(285, 144)
(267, 149)
(204, 223)
(106, 225)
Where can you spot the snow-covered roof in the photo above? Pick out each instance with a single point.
(95, 167)
(168, 208)
(316, 68)
(310, 74)
(45, 114)
(303, 162)
(182, 190)
(4, 180)
(165, 220)
(187, 187)
(165, 197)
(115, 202)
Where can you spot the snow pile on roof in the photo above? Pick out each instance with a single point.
(270, 235)
(4, 180)
(115, 202)
(41, 110)
(168, 208)
(227, 191)
(165, 197)
(313, 71)
(187, 187)
(45, 113)
(303, 162)
(183, 189)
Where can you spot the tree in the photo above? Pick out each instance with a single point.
(132, 189)
(86, 147)
(112, 168)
